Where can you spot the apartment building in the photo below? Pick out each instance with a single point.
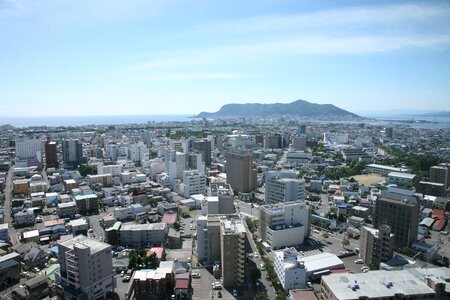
(204, 147)
(86, 270)
(194, 182)
(284, 187)
(284, 224)
(401, 213)
(51, 154)
(290, 269)
(142, 235)
(233, 251)
(376, 245)
(241, 174)
(72, 150)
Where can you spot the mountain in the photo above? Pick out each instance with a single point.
(299, 108)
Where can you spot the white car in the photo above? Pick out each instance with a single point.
(256, 254)
(359, 261)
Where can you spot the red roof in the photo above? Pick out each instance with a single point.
(169, 218)
(158, 250)
(182, 284)
(439, 224)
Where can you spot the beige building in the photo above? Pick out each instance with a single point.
(232, 242)
(376, 245)
(440, 174)
(86, 268)
(241, 174)
(104, 179)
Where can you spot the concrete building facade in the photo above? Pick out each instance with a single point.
(241, 174)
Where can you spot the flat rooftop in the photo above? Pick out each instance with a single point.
(376, 284)
(94, 245)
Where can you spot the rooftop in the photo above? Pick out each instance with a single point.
(376, 284)
(94, 245)
(152, 226)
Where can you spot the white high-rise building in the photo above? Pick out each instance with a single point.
(194, 182)
(284, 224)
(114, 170)
(138, 152)
(281, 188)
(28, 149)
(86, 270)
(290, 269)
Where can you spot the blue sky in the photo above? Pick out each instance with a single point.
(139, 57)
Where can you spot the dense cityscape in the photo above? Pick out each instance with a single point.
(273, 208)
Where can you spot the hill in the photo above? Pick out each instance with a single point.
(299, 108)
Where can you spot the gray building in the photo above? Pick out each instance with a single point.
(401, 213)
(142, 235)
(72, 150)
(86, 270)
(204, 147)
(376, 245)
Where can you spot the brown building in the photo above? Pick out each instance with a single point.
(441, 174)
(401, 213)
(21, 186)
(241, 174)
(51, 155)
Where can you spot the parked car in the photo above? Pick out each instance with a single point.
(195, 275)
(359, 261)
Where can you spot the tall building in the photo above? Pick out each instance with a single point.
(204, 147)
(233, 241)
(51, 155)
(290, 269)
(72, 152)
(284, 224)
(29, 153)
(376, 245)
(241, 174)
(440, 174)
(302, 129)
(272, 141)
(138, 152)
(86, 270)
(299, 143)
(282, 189)
(194, 182)
(401, 213)
(208, 240)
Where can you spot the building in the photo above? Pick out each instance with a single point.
(284, 224)
(279, 189)
(67, 210)
(103, 179)
(36, 288)
(141, 235)
(290, 269)
(194, 182)
(376, 245)
(409, 283)
(241, 174)
(401, 178)
(401, 213)
(78, 226)
(299, 143)
(233, 252)
(385, 170)
(441, 174)
(72, 150)
(114, 170)
(204, 147)
(86, 270)
(208, 240)
(51, 154)
(10, 267)
(4, 232)
(29, 153)
(430, 188)
(272, 141)
(87, 203)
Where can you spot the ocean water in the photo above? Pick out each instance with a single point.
(414, 121)
(91, 120)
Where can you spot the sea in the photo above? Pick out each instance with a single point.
(91, 120)
(412, 121)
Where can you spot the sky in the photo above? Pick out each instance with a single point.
(140, 57)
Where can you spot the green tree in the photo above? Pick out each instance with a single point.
(325, 235)
(88, 170)
(261, 296)
(345, 242)
(341, 218)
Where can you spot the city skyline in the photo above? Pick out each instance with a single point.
(139, 58)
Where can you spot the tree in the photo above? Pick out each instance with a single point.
(341, 218)
(325, 235)
(262, 296)
(87, 169)
(345, 242)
